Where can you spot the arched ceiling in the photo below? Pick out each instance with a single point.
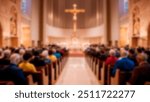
(91, 18)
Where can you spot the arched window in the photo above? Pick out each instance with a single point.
(123, 7)
(26, 7)
(126, 5)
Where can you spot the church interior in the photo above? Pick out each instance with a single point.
(74, 42)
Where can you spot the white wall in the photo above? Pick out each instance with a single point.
(91, 32)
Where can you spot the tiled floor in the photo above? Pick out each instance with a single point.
(77, 72)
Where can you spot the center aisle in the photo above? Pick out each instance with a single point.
(77, 72)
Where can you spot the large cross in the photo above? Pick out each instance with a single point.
(74, 11)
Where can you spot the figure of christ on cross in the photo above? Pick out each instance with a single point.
(74, 11)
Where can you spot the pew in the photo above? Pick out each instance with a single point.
(51, 74)
(147, 83)
(103, 74)
(97, 69)
(108, 74)
(2, 82)
(55, 67)
(120, 78)
(59, 66)
(115, 80)
(33, 78)
(45, 77)
(93, 64)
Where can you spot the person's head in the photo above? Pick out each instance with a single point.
(142, 57)
(124, 53)
(7, 53)
(45, 53)
(139, 50)
(131, 52)
(27, 56)
(15, 58)
(22, 51)
(36, 53)
(50, 52)
(54, 50)
(112, 52)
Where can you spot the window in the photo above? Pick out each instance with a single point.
(26, 7)
(126, 5)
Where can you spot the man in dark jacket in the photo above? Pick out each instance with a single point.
(12, 72)
(141, 74)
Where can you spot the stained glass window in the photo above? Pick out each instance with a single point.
(26, 7)
(126, 5)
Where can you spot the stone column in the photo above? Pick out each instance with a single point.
(112, 22)
(35, 22)
(45, 14)
(41, 26)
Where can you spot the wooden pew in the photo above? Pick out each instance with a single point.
(115, 80)
(3, 82)
(120, 78)
(103, 74)
(93, 63)
(59, 66)
(108, 74)
(34, 78)
(96, 64)
(45, 76)
(51, 74)
(55, 67)
(97, 69)
(147, 83)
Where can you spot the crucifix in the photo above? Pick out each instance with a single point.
(74, 11)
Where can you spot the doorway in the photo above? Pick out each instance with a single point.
(123, 37)
(26, 37)
(135, 42)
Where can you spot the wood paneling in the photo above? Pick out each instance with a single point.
(91, 18)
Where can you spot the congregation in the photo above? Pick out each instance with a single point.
(133, 62)
(15, 63)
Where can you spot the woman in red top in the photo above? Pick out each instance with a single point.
(111, 60)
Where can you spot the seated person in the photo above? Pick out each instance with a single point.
(57, 54)
(5, 60)
(26, 66)
(132, 56)
(51, 56)
(124, 63)
(141, 74)
(22, 52)
(111, 60)
(45, 57)
(12, 72)
(37, 61)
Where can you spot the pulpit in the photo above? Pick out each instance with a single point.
(14, 41)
